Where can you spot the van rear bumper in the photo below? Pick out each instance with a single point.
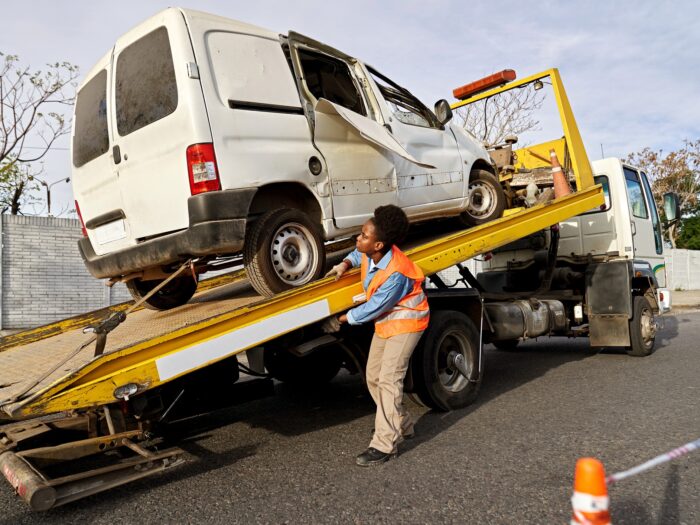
(217, 227)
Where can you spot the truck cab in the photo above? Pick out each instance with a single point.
(605, 266)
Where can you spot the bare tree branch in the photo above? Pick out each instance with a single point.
(510, 113)
(26, 99)
(30, 114)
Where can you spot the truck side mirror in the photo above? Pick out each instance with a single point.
(443, 111)
(672, 208)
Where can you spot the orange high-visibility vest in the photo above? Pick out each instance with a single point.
(411, 313)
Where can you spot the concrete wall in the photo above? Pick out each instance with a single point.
(43, 278)
(683, 269)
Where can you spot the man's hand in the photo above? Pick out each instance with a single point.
(338, 270)
(331, 325)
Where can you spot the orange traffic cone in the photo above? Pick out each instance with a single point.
(561, 185)
(590, 501)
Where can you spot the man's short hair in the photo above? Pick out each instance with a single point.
(390, 225)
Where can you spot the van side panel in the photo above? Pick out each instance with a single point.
(260, 132)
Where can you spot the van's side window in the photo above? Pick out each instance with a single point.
(145, 87)
(91, 138)
(404, 106)
(635, 194)
(330, 78)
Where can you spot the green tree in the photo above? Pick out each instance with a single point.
(31, 120)
(689, 236)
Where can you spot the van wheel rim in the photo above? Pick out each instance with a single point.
(452, 379)
(482, 199)
(293, 253)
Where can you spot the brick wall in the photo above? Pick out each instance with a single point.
(43, 276)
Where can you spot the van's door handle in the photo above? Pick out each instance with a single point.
(634, 228)
(116, 154)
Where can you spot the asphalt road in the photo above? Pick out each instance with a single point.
(509, 458)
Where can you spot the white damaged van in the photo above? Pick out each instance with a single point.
(202, 137)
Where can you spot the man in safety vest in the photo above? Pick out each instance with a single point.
(399, 308)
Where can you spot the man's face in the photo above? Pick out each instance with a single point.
(367, 242)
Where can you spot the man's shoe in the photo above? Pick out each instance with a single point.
(372, 456)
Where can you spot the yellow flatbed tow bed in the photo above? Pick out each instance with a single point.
(149, 349)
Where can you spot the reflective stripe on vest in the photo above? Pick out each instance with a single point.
(411, 313)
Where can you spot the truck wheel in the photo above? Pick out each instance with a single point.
(642, 328)
(314, 369)
(283, 249)
(438, 382)
(176, 293)
(486, 200)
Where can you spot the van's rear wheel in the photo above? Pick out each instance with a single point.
(176, 293)
(283, 249)
(486, 200)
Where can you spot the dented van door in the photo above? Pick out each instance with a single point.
(357, 150)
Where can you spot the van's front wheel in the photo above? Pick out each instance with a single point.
(283, 249)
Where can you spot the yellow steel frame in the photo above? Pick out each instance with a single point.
(93, 385)
(574, 143)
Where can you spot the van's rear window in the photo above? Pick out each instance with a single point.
(145, 88)
(91, 138)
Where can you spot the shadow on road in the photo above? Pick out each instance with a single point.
(506, 371)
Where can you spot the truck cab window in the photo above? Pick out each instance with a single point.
(330, 78)
(635, 194)
(404, 106)
(656, 223)
(603, 181)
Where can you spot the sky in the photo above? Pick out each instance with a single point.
(630, 68)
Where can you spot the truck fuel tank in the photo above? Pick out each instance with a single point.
(522, 319)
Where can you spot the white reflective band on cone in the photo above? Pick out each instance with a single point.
(587, 503)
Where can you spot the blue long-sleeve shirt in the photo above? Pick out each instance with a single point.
(385, 297)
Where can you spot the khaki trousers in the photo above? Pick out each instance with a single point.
(386, 368)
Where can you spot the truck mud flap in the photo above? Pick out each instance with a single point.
(609, 299)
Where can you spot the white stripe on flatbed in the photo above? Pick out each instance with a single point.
(197, 355)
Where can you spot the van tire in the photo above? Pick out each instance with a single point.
(439, 386)
(176, 293)
(272, 271)
(486, 199)
(642, 328)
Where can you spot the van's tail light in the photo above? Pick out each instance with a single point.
(202, 169)
(80, 216)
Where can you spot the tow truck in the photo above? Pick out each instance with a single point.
(67, 395)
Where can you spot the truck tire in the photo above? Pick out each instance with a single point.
(438, 384)
(176, 293)
(486, 200)
(283, 249)
(642, 328)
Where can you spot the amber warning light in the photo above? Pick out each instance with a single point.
(478, 86)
